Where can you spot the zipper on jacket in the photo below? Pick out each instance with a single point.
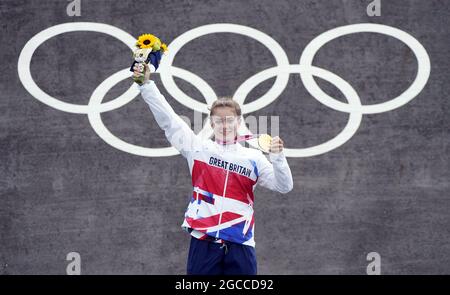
(221, 207)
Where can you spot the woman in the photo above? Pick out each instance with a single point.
(224, 174)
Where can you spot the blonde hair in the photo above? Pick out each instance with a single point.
(225, 101)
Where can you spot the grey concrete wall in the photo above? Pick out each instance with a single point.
(386, 190)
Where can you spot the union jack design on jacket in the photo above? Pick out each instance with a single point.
(224, 177)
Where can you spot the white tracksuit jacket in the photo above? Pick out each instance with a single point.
(223, 176)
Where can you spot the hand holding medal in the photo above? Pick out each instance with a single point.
(270, 145)
(276, 145)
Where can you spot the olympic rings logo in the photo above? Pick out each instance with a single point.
(281, 71)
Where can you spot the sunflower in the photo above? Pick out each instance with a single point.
(146, 41)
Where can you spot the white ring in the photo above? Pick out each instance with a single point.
(94, 116)
(354, 120)
(166, 68)
(27, 52)
(423, 63)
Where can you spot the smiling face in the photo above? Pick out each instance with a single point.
(225, 123)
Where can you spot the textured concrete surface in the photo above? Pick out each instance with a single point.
(386, 190)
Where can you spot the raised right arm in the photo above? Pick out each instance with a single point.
(179, 134)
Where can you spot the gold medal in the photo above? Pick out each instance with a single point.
(264, 142)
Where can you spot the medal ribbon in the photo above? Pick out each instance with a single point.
(238, 139)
